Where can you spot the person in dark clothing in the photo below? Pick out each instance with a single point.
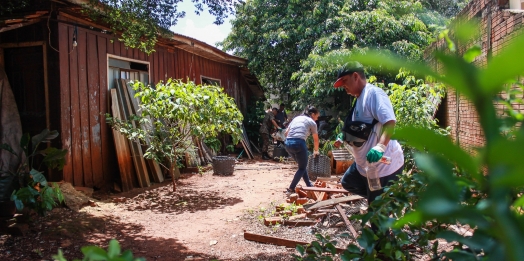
(281, 119)
(281, 116)
(265, 131)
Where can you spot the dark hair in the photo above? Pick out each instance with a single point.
(274, 109)
(310, 109)
(283, 105)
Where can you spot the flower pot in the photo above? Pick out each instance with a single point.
(223, 165)
(318, 166)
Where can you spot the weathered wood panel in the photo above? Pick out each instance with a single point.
(95, 121)
(83, 93)
(65, 102)
(76, 139)
(108, 153)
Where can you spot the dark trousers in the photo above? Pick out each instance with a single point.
(355, 183)
(297, 149)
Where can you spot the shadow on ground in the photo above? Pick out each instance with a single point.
(162, 199)
(70, 231)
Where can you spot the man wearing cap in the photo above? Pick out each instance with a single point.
(372, 106)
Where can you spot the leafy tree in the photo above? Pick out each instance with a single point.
(283, 40)
(481, 191)
(173, 113)
(276, 35)
(391, 26)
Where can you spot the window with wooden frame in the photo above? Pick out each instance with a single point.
(209, 81)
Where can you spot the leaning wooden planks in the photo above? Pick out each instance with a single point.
(154, 168)
(136, 150)
(123, 153)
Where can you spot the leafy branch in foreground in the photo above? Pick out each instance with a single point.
(480, 191)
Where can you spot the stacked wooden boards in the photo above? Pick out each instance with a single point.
(135, 171)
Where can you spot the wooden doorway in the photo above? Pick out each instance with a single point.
(26, 70)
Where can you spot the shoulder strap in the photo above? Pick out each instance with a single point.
(353, 109)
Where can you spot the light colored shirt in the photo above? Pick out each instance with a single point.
(374, 103)
(301, 127)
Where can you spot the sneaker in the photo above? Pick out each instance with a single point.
(289, 191)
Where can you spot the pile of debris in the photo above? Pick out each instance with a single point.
(325, 205)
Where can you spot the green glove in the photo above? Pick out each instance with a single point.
(279, 129)
(340, 136)
(376, 153)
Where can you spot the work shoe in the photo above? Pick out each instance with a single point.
(289, 191)
(264, 157)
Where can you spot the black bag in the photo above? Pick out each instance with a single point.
(357, 132)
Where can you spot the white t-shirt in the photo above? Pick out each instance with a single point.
(301, 127)
(374, 103)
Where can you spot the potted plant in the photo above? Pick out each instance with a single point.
(27, 186)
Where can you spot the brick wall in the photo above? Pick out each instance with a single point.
(497, 29)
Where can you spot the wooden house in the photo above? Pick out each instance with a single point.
(61, 67)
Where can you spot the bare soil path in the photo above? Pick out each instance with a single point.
(204, 220)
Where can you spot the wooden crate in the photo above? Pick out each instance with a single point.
(341, 159)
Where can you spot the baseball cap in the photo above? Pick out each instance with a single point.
(347, 69)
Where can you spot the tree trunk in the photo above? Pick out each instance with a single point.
(172, 167)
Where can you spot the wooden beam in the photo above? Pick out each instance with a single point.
(328, 190)
(22, 44)
(329, 202)
(279, 241)
(346, 220)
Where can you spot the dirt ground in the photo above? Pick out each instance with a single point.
(204, 220)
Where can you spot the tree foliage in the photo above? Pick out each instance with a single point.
(283, 40)
(141, 21)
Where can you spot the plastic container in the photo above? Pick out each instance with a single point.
(372, 173)
(373, 178)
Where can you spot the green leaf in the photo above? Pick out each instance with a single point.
(504, 66)
(472, 53)
(519, 203)
(38, 177)
(114, 249)
(413, 218)
(391, 63)
(428, 140)
(54, 158)
(44, 136)
(506, 162)
(94, 253)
